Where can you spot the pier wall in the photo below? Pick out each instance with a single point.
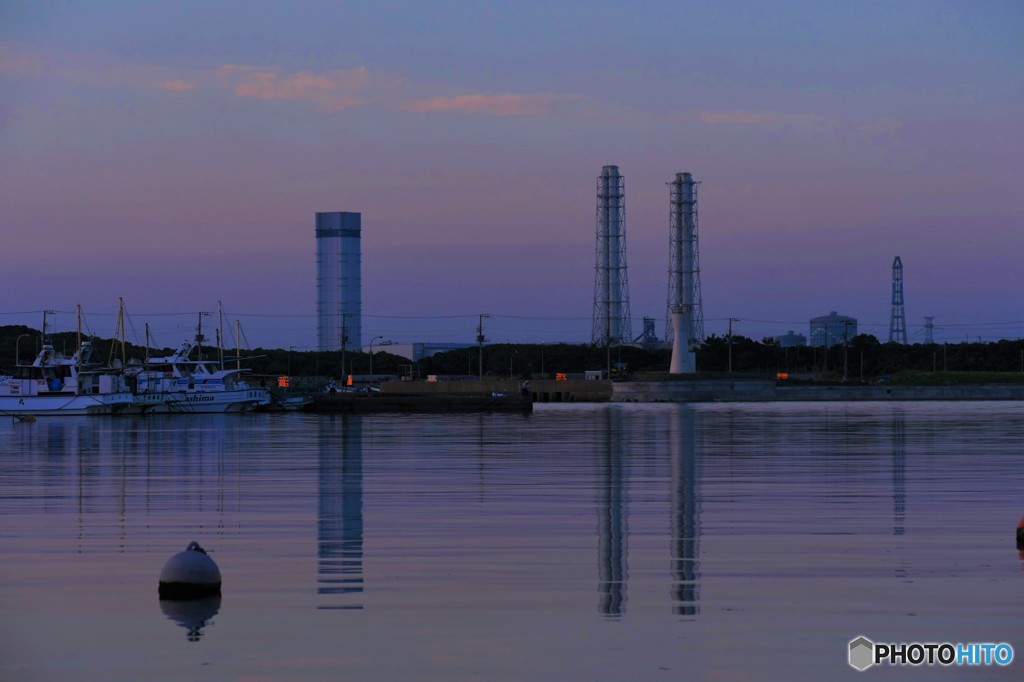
(754, 390)
(542, 390)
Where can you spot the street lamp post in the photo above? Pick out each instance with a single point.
(17, 349)
(371, 354)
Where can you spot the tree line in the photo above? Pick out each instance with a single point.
(864, 358)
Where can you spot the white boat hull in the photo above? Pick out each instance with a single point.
(196, 402)
(67, 404)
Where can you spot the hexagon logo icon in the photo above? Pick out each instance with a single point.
(862, 653)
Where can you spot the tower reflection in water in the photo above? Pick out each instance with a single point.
(685, 507)
(615, 450)
(611, 516)
(340, 519)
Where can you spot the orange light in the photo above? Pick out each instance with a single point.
(561, 377)
(349, 380)
(282, 382)
(782, 375)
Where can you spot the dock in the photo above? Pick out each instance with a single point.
(431, 403)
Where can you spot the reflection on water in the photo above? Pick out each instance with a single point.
(722, 534)
(191, 614)
(340, 520)
(612, 513)
(685, 513)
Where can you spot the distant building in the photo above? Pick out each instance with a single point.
(832, 329)
(339, 307)
(417, 351)
(791, 339)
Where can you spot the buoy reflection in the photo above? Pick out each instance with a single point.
(191, 614)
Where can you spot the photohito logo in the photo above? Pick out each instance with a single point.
(863, 653)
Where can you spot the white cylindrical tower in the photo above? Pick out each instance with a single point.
(684, 269)
(339, 280)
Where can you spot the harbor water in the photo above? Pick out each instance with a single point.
(579, 542)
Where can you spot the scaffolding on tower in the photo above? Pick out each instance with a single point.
(611, 288)
(897, 318)
(684, 261)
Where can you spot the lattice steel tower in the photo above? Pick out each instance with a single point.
(684, 264)
(611, 289)
(897, 319)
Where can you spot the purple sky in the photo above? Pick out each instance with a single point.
(175, 153)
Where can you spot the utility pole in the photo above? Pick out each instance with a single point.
(480, 338)
(731, 320)
(371, 354)
(344, 343)
(846, 349)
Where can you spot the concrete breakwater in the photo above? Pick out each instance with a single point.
(707, 390)
(764, 390)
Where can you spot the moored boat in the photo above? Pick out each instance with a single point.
(178, 383)
(57, 385)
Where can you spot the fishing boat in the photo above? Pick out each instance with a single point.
(179, 383)
(57, 385)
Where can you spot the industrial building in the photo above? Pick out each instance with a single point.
(791, 339)
(416, 351)
(339, 308)
(832, 329)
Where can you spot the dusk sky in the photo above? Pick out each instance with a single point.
(174, 153)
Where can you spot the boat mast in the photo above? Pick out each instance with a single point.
(220, 333)
(78, 353)
(147, 342)
(124, 335)
(238, 344)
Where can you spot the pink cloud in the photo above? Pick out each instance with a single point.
(177, 85)
(333, 90)
(497, 105)
(14, 63)
(737, 117)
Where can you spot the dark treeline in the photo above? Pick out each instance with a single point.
(863, 358)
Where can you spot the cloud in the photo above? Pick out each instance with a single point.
(177, 85)
(738, 117)
(15, 63)
(333, 90)
(495, 105)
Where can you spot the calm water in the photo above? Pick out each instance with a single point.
(660, 542)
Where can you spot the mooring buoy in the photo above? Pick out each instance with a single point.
(189, 574)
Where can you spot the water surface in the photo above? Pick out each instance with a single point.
(582, 542)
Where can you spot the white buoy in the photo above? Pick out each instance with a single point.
(189, 574)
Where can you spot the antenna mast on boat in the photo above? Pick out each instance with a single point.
(45, 335)
(199, 334)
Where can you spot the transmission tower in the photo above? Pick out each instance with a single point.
(611, 290)
(897, 319)
(929, 329)
(684, 264)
